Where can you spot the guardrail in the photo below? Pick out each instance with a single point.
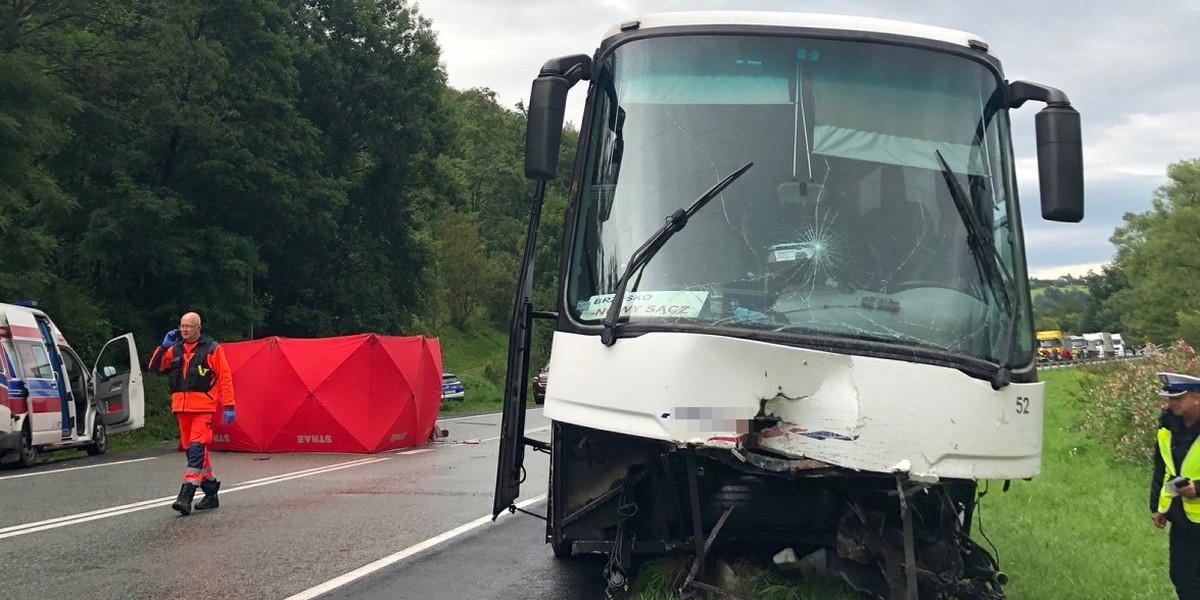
(1062, 364)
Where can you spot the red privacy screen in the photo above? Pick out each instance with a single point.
(357, 393)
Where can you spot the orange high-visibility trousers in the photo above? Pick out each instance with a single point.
(195, 433)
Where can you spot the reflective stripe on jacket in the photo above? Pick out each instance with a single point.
(1191, 470)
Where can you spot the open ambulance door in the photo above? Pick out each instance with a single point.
(57, 381)
(117, 381)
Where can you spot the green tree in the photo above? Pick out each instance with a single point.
(489, 162)
(37, 104)
(1046, 323)
(194, 160)
(463, 266)
(271, 163)
(1060, 307)
(1159, 254)
(288, 167)
(1101, 286)
(371, 83)
(490, 141)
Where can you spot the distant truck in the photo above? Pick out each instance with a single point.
(1100, 344)
(1078, 347)
(1118, 345)
(1050, 346)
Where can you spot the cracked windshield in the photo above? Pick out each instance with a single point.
(879, 205)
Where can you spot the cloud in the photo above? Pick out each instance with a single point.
(501, 45)
(1066, 235)
(1141, 146)
(1057, 271)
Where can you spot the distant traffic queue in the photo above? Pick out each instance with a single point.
(1053, 346)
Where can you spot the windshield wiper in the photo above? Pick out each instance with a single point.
(675, 222)
(983, 248)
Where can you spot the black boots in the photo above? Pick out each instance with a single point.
(210, 488)
(183, 503)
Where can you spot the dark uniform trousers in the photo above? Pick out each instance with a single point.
(1185, 555)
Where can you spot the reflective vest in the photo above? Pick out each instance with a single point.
(199, 376)
(1191, 470)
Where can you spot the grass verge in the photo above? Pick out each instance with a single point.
(1081, 529)
(479, 359)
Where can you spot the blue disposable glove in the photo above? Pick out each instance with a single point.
(228, 416)
(170, 339)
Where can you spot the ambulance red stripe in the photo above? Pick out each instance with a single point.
(46, 404)
(25, 332)
(16, 406)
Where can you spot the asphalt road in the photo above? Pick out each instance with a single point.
(404, 524)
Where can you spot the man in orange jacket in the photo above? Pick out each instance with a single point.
(198, 373)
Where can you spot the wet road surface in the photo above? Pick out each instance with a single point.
(503, 560)
(101, 527)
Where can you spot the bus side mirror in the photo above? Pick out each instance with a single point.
(1059, 148)
(547, 107)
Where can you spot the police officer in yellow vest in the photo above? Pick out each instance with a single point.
(1173, 489)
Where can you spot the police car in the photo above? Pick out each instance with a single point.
(452, 388)
(49, 401)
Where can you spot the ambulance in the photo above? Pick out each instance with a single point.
(49, 401)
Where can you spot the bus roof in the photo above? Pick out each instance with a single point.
(802, 20)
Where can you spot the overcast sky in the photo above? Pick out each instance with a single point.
(1129, 68)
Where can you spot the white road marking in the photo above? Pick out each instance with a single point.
(108, 464)
(15, 530)
(417, 451)
(534, 430)
(312, 470)
(365, 570)
(476, 416)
